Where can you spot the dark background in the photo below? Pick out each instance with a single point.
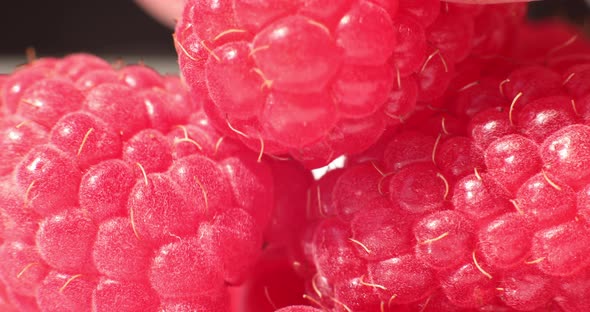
(119, 27)
(575, 11)
(97, 26)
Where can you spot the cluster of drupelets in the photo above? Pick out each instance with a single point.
(466, 185)
(318, 79)
(478, 204)
(106, 200)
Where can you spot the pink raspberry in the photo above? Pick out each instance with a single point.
(315, 81)
(117, 194)
(481, 203)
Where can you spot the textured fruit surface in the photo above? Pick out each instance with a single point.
(318, 79)
(117, 194)
(465, 186)
(477, 204)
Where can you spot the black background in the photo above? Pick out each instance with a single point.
(120, 27)
(65, 26)
(576, 11)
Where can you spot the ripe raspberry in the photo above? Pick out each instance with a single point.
(482, 205)
(115, 196)
(317, 81)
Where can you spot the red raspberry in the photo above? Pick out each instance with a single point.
(483, 206)
(318, 81)
(115, 197)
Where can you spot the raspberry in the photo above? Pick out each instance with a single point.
(18, 224)
(117, 194)
(121, 190)
(141, 77)
(315, 81)
(476, 202)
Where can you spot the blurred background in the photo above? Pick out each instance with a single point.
(119, 29)
(110, 28)
(575, 11)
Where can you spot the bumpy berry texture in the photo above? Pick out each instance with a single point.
(114, 197)
(479, 204)
(316, 80)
